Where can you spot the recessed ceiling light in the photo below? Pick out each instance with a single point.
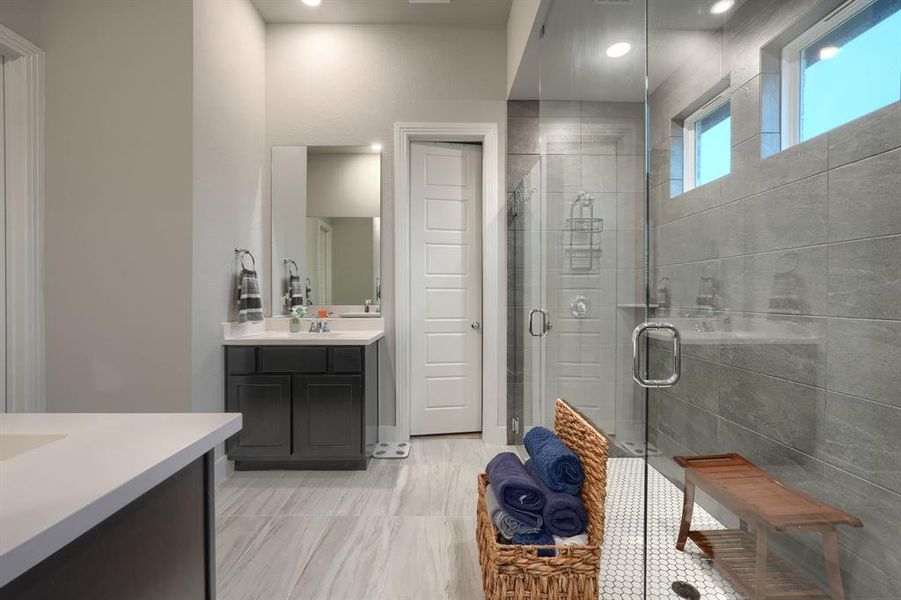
(619, 49)
(376, 147)
(722, 6)
(827, 52)
(312, 2)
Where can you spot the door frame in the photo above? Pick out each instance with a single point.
(494, 320)
(25, 334)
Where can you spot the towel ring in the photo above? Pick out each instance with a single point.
(244, 253)
(289, 263)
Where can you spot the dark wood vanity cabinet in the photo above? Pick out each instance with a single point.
(303, 407)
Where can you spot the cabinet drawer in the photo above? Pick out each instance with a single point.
(293, 360)
(241, 361)
(346, 360)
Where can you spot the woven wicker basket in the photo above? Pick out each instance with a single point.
(511, 572)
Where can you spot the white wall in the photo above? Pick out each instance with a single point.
(229, 170)
(23, 17)
(349, 84)
(118, 204)
(343, 185)
(289, 216)
(521, 24)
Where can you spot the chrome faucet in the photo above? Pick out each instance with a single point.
(317, 325)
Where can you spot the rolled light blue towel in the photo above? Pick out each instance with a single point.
(541, 538)
(557, 466)
(564, 514)
(515, 490)
(506, 525)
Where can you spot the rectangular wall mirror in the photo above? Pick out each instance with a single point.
(326, 227)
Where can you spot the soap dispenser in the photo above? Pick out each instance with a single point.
(295, 320)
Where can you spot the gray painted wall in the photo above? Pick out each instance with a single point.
(817, 402)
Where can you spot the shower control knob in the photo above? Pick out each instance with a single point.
(476, 325)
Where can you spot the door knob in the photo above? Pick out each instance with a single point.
(476, 325)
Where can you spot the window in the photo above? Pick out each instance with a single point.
(845, 66)
(707, 137)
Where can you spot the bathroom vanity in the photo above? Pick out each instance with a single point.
(308, 400)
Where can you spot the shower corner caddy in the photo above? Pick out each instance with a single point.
(582, 234)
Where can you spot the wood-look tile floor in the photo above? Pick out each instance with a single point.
(401, 529)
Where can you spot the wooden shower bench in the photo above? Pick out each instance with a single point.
(767, 506)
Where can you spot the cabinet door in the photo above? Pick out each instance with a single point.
(264, 401)
(328, 416)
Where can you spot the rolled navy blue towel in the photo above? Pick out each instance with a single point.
(541, 538)
(515, 490)
(564, 514)
(556, 465)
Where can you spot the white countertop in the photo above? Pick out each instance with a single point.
(63, 474)
(275, 332)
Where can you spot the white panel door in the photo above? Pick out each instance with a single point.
(446, 288)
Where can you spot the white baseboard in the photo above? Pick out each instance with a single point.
(222, 469)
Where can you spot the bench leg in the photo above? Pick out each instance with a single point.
(688, 505)
(761, 575)
(833, 569)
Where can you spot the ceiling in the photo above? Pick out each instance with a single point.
(460, 13)
(570, 59)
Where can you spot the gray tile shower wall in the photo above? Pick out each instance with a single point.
(805, 250)
(557, 149)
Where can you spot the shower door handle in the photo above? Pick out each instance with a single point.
(545, 323)
(636, 355)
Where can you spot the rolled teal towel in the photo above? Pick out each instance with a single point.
(507, 526)
(557, 466)
(541, 538)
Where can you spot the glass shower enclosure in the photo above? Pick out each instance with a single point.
(715, 289)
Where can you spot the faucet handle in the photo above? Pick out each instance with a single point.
(325, 327)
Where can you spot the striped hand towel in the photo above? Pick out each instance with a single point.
(250, 303)
(295, 288)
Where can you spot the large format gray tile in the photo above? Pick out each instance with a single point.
(599, 173)
(871, 134)
(522, 108)
(418, 567)
(560, 135)
(865, 198)
(786, 464)
(518, 166)
(563, 173)
(693, 201)
(862, 437)
(880, 511)
(348, 561)
(790, 216)
(685, 423)
(863, 359)
(275, 560)
(752, 175)
(464, 577)
(787, 281)
(795, 350)
(864, 278)
(744, 103)
(234, 535)
(522, 135)
(255, 493)
(421, 491)
(787, 412)
(699, 383)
